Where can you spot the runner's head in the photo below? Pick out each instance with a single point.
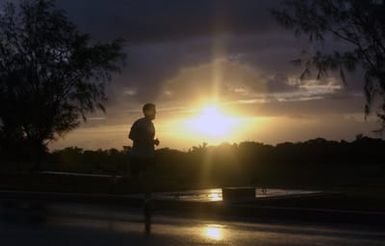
(149, 111)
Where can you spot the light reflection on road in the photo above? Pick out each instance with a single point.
(213, 231)
(215, 195)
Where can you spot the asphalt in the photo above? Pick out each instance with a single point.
(254, 211)
(94, 224)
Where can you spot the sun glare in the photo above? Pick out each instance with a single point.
(212, 122)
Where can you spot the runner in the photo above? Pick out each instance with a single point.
(142, 134)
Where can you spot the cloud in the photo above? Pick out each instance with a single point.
(156, 21)
(167, 37)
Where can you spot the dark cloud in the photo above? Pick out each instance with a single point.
(164, 37)
(159, 20)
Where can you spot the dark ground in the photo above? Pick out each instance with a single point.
(85, 224)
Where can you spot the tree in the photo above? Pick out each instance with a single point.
(51, 75)
(360, 24)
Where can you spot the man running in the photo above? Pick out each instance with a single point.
(142, 134)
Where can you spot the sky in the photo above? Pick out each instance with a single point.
(230, 57)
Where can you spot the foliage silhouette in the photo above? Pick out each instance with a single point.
(316, 162)
(358, 24)
(51, 76)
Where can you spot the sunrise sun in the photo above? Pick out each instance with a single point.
(212, 122)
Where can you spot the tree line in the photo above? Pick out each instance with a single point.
(318, 162)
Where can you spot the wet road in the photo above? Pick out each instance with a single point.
(99, 226)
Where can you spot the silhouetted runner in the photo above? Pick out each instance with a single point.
(142, 134)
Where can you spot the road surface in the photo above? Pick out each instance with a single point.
(74, 224)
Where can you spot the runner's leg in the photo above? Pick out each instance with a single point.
(147, 186)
